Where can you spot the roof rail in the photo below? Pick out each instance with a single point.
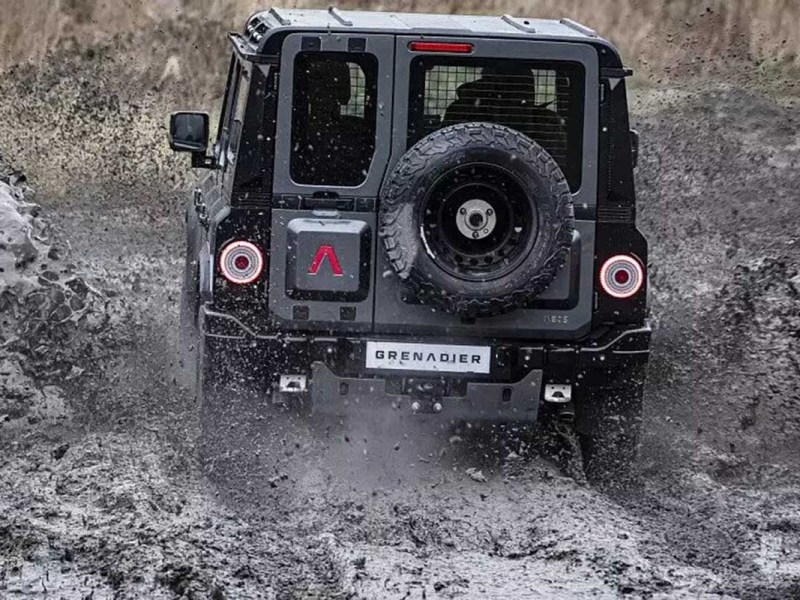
(580, 28)
(337, 14)
(245, 51)
(521, 24)
(279, 17)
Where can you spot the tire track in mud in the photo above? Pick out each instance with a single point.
(123, 512)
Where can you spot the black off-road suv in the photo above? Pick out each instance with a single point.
(422, 213)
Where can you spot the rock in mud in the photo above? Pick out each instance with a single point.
(476, 475)
(17, 224)
(50, 314)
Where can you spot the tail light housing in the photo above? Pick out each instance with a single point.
(241, 262)
(622, 276)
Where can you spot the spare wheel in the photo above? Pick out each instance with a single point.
(477, 219)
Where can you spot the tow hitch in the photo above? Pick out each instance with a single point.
(424, 405)
(559, 395)
(426, 395)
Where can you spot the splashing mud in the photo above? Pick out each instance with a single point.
(100, 491)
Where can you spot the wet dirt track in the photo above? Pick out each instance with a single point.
(105, 499)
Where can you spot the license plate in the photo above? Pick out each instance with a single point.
(441, 358)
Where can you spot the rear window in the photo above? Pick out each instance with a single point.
(333, 118)
(542, 100)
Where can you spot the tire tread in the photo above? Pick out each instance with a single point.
(393, 198)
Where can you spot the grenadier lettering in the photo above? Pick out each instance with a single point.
(412, 357)
(431, 357)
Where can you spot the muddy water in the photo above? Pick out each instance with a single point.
(107, 501)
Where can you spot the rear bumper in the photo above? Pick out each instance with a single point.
(486, 401)
(339, 382)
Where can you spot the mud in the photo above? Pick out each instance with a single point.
(102, 497)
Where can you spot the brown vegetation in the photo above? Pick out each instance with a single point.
(656, 36)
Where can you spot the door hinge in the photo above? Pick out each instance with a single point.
(200, 207)
(615, 72)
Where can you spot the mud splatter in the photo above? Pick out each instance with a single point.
(109, 502)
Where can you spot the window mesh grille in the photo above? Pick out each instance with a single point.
(356, 107)
(543, 103)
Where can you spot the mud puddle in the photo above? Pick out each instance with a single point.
(102, 496)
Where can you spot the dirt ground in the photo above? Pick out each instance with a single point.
(100, 490)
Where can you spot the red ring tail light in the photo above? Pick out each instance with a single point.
(241, 262)
(621, 276)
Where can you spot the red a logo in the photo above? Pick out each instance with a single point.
(326, 251)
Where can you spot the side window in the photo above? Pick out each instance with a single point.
(237, 113)
(255, 148)
(232, 114)
(221, 147)
(333, 118)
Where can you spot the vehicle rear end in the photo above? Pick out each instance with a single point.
(431, 223)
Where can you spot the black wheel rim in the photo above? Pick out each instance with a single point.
(477, 222)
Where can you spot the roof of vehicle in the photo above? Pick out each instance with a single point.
(264, 23)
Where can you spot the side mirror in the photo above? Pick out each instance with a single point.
(188, 132)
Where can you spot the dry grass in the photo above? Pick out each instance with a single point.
(653, 34)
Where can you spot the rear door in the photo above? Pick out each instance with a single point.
(445, 83)
(332, 148)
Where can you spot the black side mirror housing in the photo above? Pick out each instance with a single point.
(188, 132)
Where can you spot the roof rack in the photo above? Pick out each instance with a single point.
(262, 24)
(256, 28)
(337, 14)
(580, 28)
(521, 24)
(247, 51)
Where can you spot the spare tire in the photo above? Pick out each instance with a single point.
(477, 219)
